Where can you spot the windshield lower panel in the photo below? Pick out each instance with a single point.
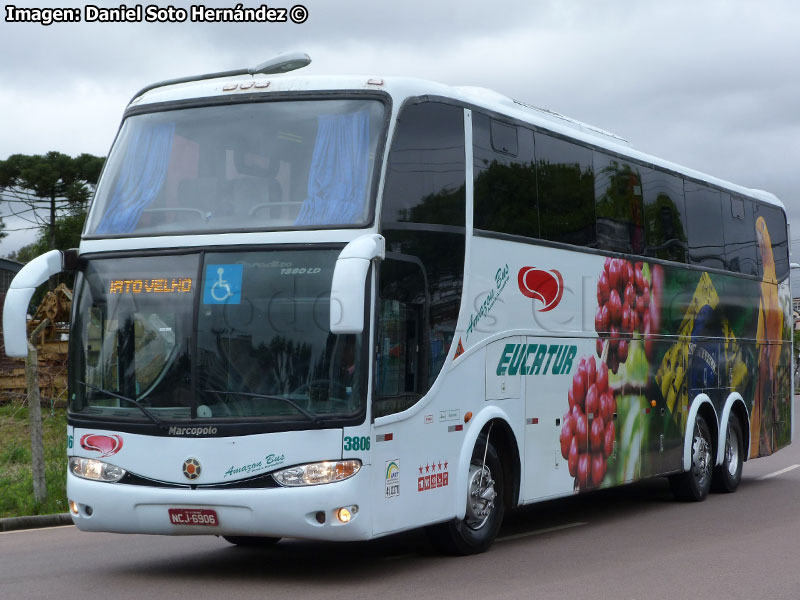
(222, 337)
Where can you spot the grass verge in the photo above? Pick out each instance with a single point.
(16, 478)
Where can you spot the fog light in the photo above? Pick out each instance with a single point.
(73, 507)
(344, 515)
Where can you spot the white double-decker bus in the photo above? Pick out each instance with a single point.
(342, 307)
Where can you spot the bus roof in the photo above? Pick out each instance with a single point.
(400, 88)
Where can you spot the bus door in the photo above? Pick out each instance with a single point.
(400, 379)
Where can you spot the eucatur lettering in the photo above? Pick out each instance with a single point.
(536, 359)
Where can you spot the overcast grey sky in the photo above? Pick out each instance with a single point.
(708, 84)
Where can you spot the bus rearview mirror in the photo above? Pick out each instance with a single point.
(349, 280)
(20, 292)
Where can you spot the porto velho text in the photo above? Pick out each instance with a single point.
(536, 359)
(150, 286)
(150, 13)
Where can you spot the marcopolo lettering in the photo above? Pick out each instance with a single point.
(536, 359)
(192, 430)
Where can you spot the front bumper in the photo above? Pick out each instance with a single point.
(273, 512)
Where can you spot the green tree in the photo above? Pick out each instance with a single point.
(53, 189)
(67, 235)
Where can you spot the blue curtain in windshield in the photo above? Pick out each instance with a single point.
(337, 182)
(141, 177)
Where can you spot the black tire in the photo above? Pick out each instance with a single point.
(476, 531)
(251, 541)
(694, 484)
(728, 475)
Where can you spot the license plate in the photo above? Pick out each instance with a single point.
(193, 516)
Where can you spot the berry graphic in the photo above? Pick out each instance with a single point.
(626, 305)
(587, 433)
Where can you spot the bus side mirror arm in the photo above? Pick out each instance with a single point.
(20, 292)
(349, 280)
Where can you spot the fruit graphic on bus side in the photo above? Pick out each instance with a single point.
(587, 432)
(628, 302)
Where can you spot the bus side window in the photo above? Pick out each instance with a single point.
(664, 215)
(425, 175)
(565, 184)
(618, 196)
(775, 221)
(740, 235)
(703, 214)
(505, 177)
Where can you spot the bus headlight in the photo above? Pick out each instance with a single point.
(96, 470)
(317, 473)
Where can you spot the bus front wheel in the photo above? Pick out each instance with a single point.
(485, 507)
(694, 484)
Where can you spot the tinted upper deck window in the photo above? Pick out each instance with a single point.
(505, 185)
(618, 196)
(565, 183)
(425, 175)
(704, 219)
(664, 215)
(740, 235)
(774, 222)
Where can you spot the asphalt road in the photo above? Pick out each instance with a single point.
(631, 542)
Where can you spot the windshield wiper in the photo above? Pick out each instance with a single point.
(138, 404)
(311, 416)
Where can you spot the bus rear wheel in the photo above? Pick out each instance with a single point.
(485, 507)
(728, 475)
(251, 541)
(694, 484)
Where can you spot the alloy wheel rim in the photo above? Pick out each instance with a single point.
(701, 464)
(732, 452)
(480, 497)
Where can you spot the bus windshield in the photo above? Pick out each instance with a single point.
(238, 167)
(248, 340)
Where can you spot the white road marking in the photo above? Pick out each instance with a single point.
(540, 531)
(776, 473)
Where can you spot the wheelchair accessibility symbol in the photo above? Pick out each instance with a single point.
(220, 289)
(223, 284)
